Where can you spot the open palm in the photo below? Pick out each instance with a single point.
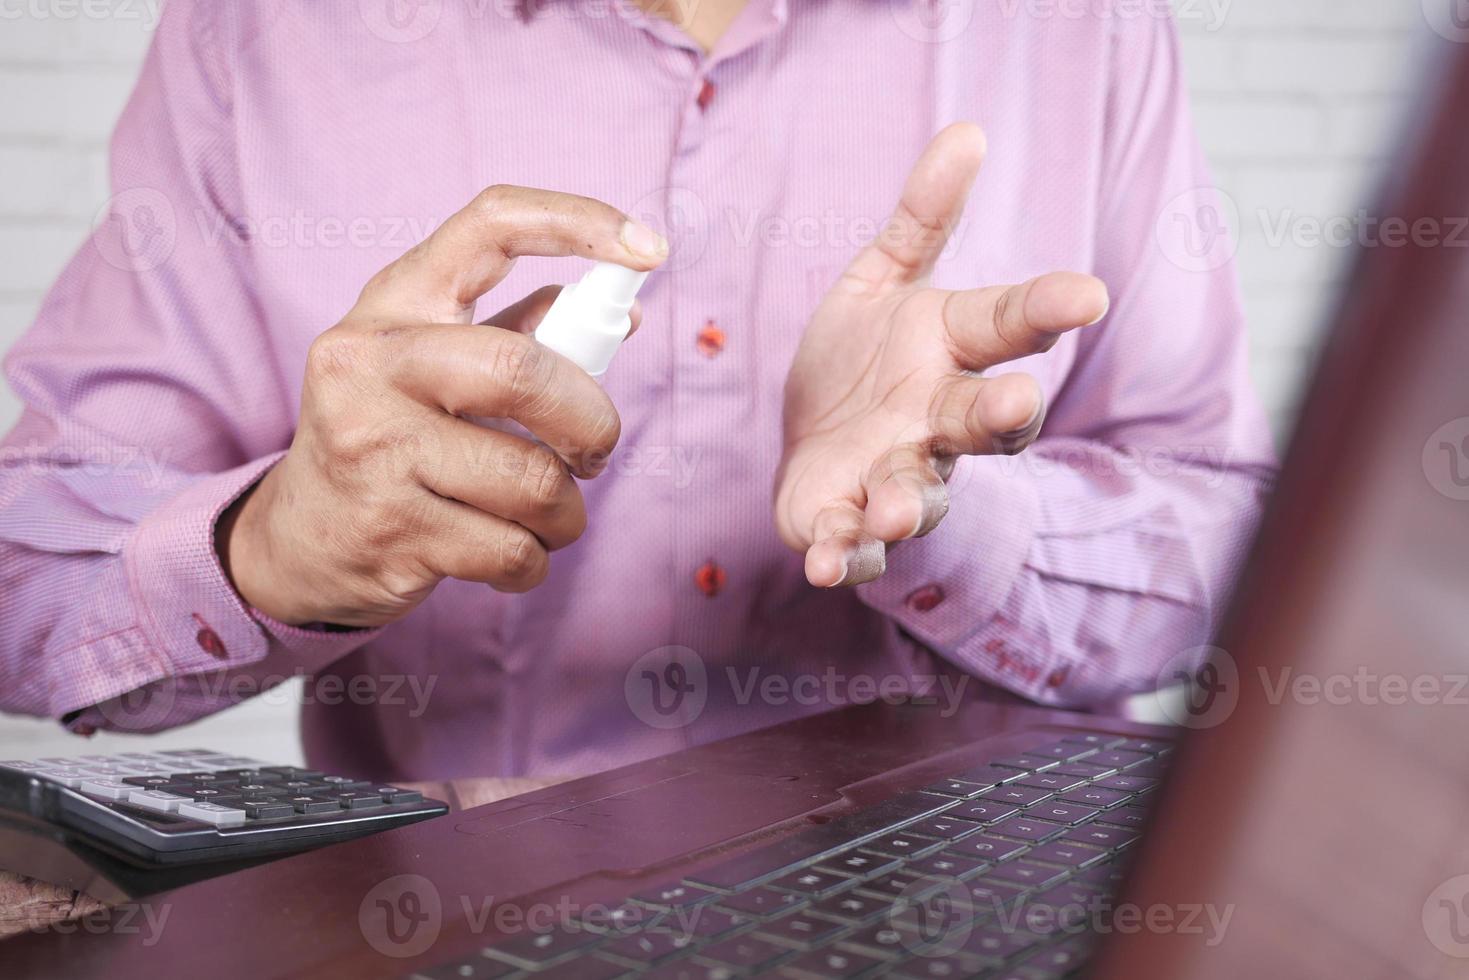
(886, 389)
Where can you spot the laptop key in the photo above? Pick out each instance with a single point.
(852, 907)
(1152, 746)
(1097, 740)
(902, 845)
(763, 902)
(830, 964)
(903, 885)
(947, 864)
(1084, 769)
(813, 883)
(1118, 758)
(650, 946)
(942, 967)
(1032, 763)
(859, 863)
(983, 811)
(1131, 817)
(1065, 751)
(991, 775)
(1026, 829)
(942, 827)
(675, 895)
(1026, 873)
(1096, 797)
(1067, 813)
(1056, 782)
(532, 950)
(800, 929)
(989, 848)
(1067, 854)
(1109, 837)
(1019, 795)
(957, 788)
(744, 953)
(1127, 783)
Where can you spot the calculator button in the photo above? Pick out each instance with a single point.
(357, 800)
(395, 795)
(314, 804)
(21, 765)
(212, 813)
(108, 789)
(157, 799)
(265, 809)
(292, 772)
(344, 782)
(70, 778)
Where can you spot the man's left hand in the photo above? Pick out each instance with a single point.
(886, 389)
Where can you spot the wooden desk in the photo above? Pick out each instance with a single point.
(27, 904)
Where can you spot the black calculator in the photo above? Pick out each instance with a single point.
(191, 806)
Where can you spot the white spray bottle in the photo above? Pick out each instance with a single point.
(589, 319)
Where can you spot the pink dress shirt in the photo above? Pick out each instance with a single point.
(276, 154)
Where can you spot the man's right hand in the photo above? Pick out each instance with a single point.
(387, 489)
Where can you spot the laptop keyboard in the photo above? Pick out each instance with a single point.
(995, 872)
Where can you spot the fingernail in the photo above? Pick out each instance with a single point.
(642, 240)
(1034, 417)
(846, 572)
(1103, 315)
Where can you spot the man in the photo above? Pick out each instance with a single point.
(221, 488)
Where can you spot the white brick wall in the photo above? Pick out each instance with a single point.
(1295, 101)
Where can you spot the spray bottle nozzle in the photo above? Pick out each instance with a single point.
(589, 319)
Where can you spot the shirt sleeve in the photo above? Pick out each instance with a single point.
(1075, 573)
(150, 404)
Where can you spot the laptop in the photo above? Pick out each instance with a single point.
(1306, 818)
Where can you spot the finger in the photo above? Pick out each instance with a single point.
(440, 279)
(930, 207)
(477, 547)
(509, 477)
(468, 370)
(975, 416)
(524, 315)
(906, 496)
(990, 326)
(844, 553)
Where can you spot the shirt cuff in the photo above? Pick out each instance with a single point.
(186, 604)
(944, 588)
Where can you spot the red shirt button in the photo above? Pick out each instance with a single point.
(926, 598)
(711, 340)
(710, 579)
(706, 95)
(210, 643)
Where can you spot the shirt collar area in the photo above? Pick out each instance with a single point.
(757, 20)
